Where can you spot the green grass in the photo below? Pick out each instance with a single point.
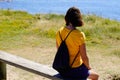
(24, 34)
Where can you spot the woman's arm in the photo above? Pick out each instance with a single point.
(56, 44)
(84, 56)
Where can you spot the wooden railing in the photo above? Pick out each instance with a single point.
(43, 70)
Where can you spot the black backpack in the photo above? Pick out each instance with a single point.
(61, 60)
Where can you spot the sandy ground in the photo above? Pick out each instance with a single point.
(35, 54)
(45, 56)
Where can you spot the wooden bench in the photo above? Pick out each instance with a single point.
(22, 63)
(43, 70)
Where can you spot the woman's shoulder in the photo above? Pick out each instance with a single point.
(74, 32)
(78, 32)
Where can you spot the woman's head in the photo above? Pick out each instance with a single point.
(74, 17)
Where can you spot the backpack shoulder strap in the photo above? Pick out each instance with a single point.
(66, 36)
(77, 52)
(75, 58)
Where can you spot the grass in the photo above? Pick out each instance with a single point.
(33, 37)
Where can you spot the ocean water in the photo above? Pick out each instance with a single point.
(105, 8)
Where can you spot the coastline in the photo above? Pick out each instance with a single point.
(100, 8)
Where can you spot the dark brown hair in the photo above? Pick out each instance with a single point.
(74, 17)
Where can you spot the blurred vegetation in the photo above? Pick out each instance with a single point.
(14, 25)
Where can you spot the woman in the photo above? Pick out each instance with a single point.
(81, 68)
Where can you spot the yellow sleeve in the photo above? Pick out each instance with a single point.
(80, 38)
(58, 39)
(83, 38)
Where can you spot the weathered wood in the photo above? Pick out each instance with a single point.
(2, 71)
(28, 65)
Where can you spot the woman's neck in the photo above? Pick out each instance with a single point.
(70, 27)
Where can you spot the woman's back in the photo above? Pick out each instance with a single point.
(74, 40)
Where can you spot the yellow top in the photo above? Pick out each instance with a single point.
(73, 41)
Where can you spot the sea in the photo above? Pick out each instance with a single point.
(104, 8)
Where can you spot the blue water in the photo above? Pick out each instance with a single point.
(105, 8)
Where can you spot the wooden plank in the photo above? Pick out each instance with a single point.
(2, 71)
(28, 65)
